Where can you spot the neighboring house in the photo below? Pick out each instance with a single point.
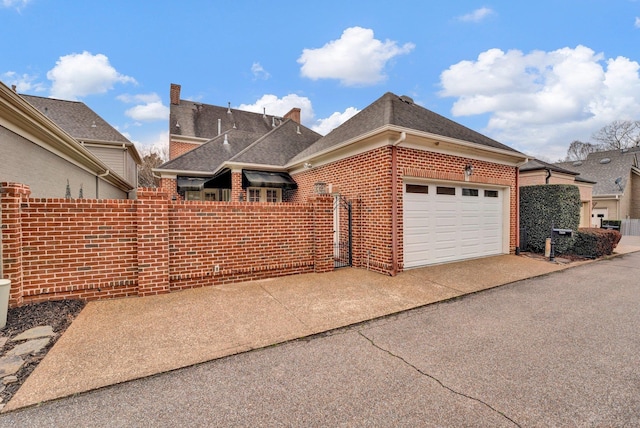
(208, 142)
(37, 151)
(537, 172)
(616, 194)
(94, 133)
(423, 189)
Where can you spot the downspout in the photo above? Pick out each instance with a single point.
(394, 204)
(98, 177)
(546, 179)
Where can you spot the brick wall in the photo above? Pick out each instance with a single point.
(94, 249)
(177, 148)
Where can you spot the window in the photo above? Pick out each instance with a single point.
(415, 188)
(440, 190)
(272, 195)
(490, 193)
(253, 195)
(469, 192)
(262, 194)
(208, 195)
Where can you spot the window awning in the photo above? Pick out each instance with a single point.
(191, 184)
(280, 180)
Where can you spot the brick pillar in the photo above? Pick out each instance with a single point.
(236, 187)
(170, 187)
(152, 209)
(12, 196)
(323, 233)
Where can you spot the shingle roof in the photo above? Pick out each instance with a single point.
(605, 172)
(391, 109)
(201, 120)
(274, 148)
(279, 146)
(209, 156)
(76, 119)
(537, 164)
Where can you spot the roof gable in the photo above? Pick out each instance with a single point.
(279, 146)
(400, 111)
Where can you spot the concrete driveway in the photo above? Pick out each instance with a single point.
(555, 350)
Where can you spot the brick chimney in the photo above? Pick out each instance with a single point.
(294, 114)
(174, 94)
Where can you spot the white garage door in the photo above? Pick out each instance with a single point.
(444, 222)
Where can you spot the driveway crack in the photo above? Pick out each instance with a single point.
(423, 373)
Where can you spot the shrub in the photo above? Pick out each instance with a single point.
(545, 205)
(594, 242)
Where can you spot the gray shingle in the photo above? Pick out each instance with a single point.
(76, 119)
(201, 120)
(391, 109)
(209, 156)
(596, 168)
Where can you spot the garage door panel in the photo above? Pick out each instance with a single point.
(440, 228)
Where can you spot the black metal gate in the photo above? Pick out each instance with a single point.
(342, 233)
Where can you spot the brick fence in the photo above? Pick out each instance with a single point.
(92, 249)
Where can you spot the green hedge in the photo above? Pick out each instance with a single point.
(545, 205)
(594, 242)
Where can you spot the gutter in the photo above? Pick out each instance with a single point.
(394, 203)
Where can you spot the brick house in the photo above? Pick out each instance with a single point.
(537, 172)
(421, 189)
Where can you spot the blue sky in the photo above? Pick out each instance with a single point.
(533, 75)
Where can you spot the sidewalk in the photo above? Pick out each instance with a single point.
(114, 341)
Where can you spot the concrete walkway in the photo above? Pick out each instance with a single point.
(115, 341)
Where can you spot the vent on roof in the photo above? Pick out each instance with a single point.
(624, 150)
(406, 99)
(605, 161)
(577, 163)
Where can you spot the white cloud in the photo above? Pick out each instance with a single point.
(17, 4)
(151, 108)
(357, 58)
(25, 83)
(324, 126)
(637, 22)
(477, 15)
(78, 75)
(281, 106)
(259, 72)
(149, 112)
(541, 101)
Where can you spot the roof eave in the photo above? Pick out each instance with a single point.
(517, 158)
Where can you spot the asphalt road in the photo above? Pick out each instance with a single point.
(559, 350)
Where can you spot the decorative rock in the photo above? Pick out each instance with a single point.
(9, 379)
(10, 365)
(29, 347)
(35, 333)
